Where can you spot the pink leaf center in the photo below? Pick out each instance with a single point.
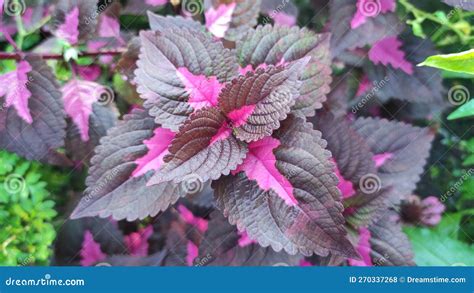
(223, 133)
(203, 91)
(260, 165)
(282, 18)
(78, 97)
(381, 159)
(157, 148)
(218, 20)
(69, 30)
(387, 51)
(371, 8)
(91, 252)
(193, 252)
(363, 248)
(14, 88)
(188, 217)
(239, 116)
(137, 242)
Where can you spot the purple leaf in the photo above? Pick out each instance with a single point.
(218, 20)
(90, 252)
(276, 45)
(371, 8)
(423, 86)
(233, 20)
(220, 247)
(161, 23)
(409, 147)
(314, 224)
(112, 190)
(343, 38)
(39, 139)
(69, 30)
(128, 61)
(16, 93)
(159, 66)
(78, 97)
(387, 51)
(203, 148)
(257, 102)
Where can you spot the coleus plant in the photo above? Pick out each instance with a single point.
(226, 104)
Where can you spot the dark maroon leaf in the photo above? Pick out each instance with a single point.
(39, 139)
(121, 167)
(406, 147)
(180, 71)
(345, 38)
(221, 247)
(300, 211)
(204, 148)
(128, 61)
(389, 246)
(257, 102)
(278, 45)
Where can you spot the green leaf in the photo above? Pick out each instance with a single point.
(459, 62)
(465, 110)
(438, 246)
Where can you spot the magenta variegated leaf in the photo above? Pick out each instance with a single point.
(277, 45)
(181, 71)
(400, 150)
(256, 102)
(371, 8)
(344, 38)
(161, 23)
(87, 241)
(204, 147)
(33, 122)
(221, 246)
(75, 20)
(292, 203)
(123, 163)
(231, 20)
(424, 85)
(387, 51)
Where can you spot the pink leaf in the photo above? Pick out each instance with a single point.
(14, 88)
(193, 252)
(259, 165)
(345, 186)
(137, 242)
(371, 8)
(387, 51)
(188, 217)
(239, 116)
(282, 18)
(203, 91)
(69, 30)
(157, 148)
(78, 97)
(218, 20)
(381, 159)
(109, 27)
(363, 248)
(90, 251)
(432, 209)
(156, 2)
(244, 239)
